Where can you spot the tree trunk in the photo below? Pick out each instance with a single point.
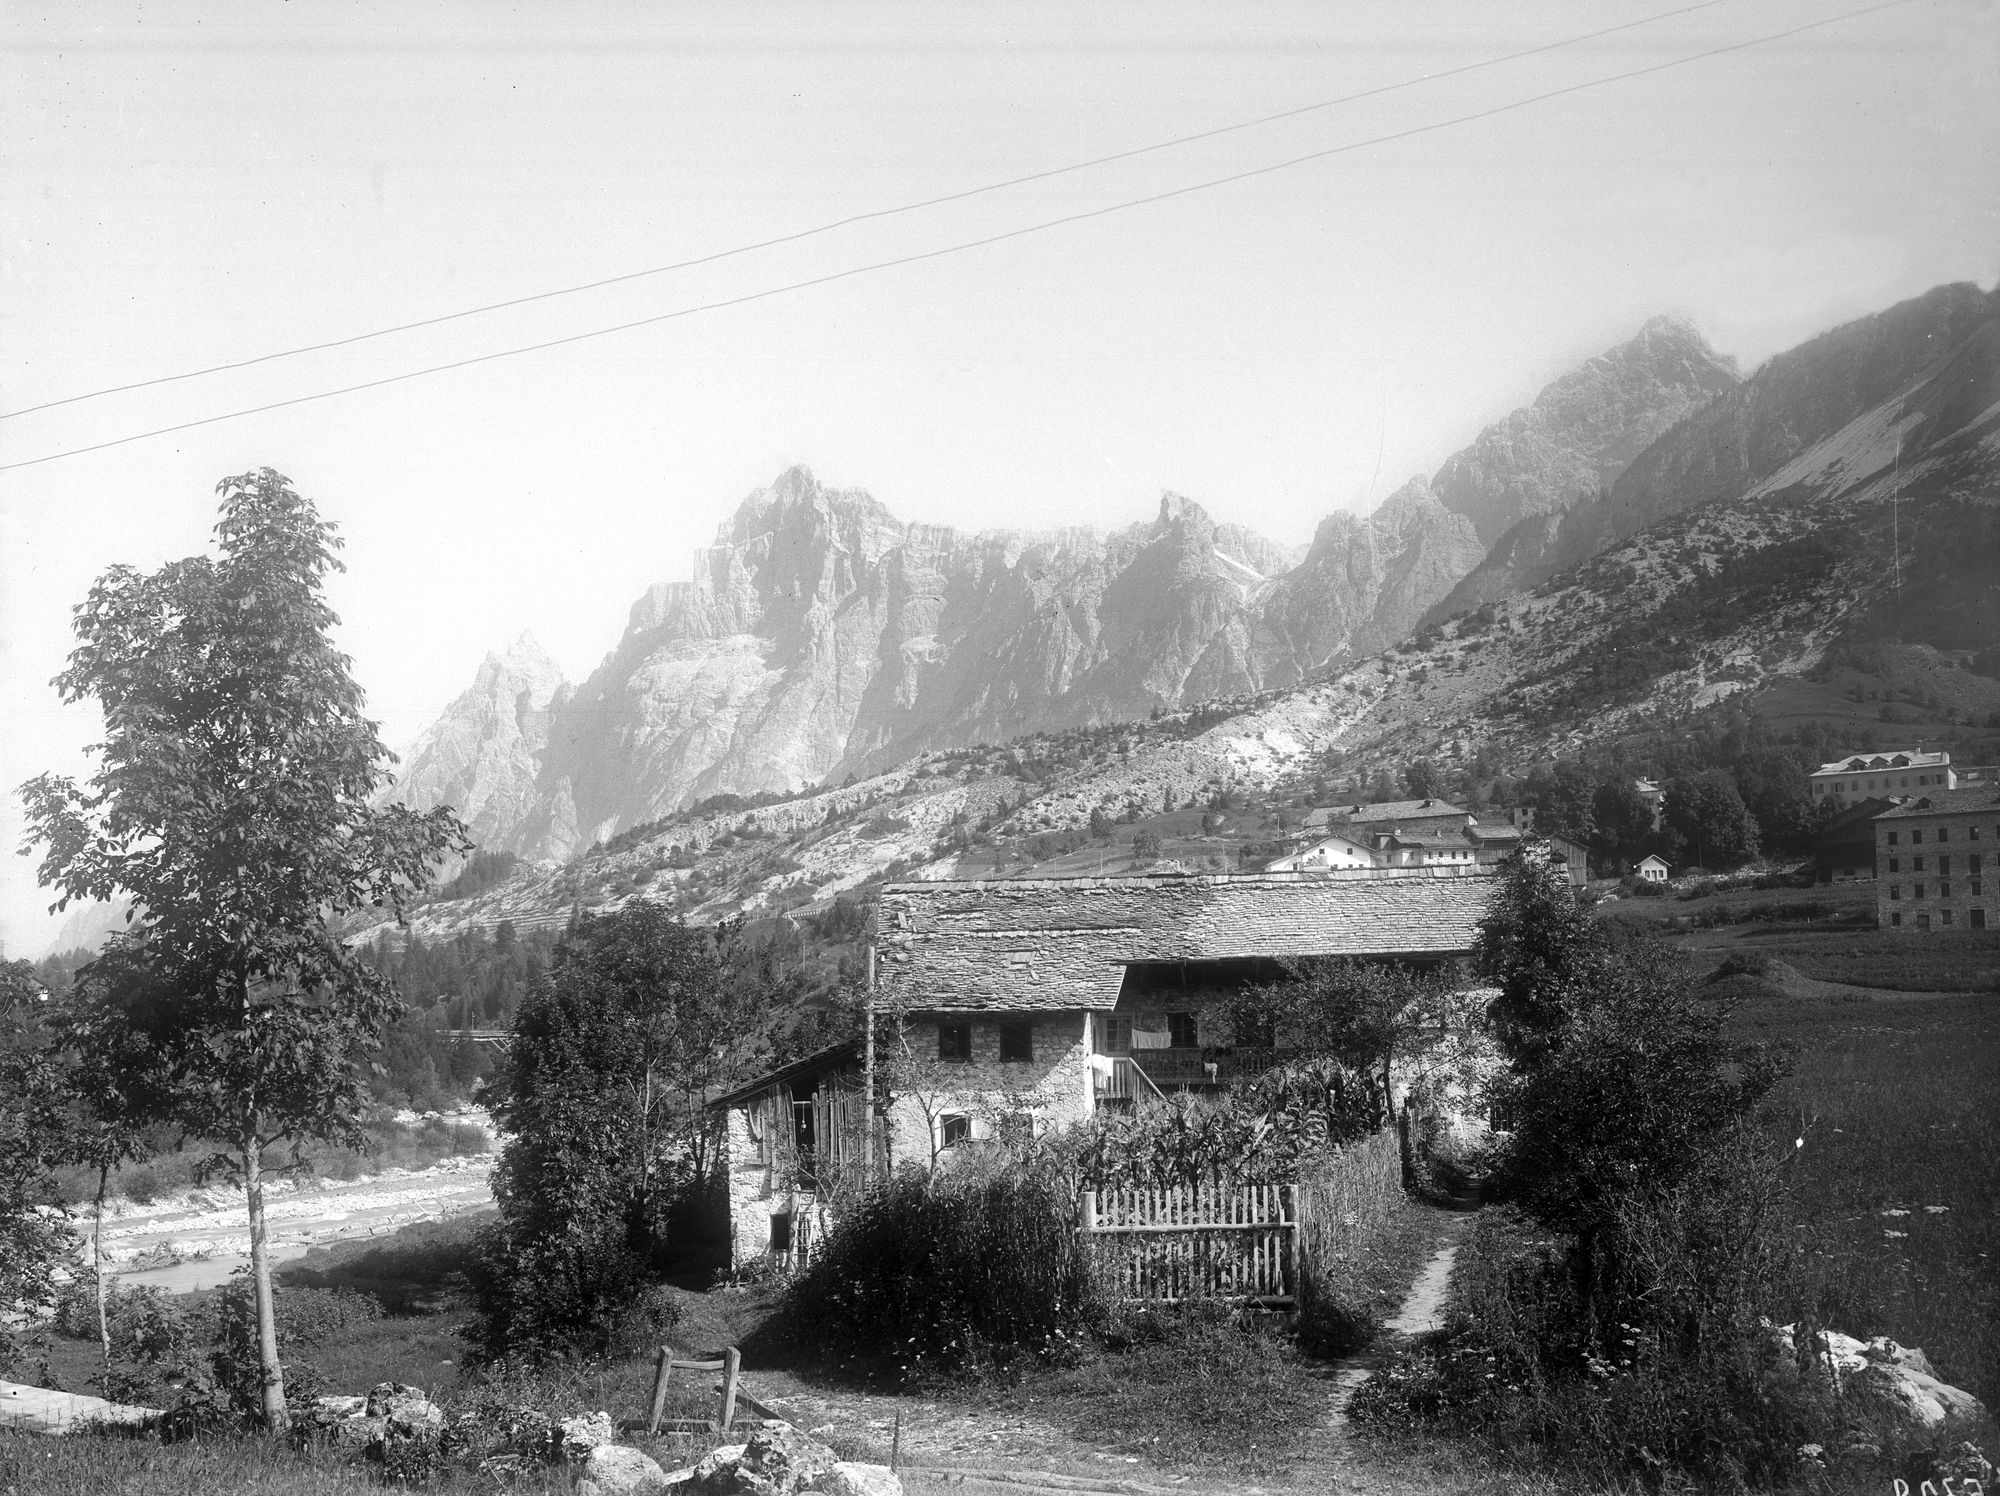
(273, 1374)
(97, 1268)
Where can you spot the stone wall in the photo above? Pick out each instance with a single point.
(1929, 885)
(1055, 1085)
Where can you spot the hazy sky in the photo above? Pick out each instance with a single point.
(186, 185)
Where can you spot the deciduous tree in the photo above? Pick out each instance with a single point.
(232, 805)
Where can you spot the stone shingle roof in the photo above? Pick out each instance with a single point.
(1385, 810)
(1978, 797)
(1863, 763)
(1052, 943)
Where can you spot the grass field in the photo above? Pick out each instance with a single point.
(1897, 1183)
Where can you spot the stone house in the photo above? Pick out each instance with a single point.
(1933, 853)
(1030, 1004)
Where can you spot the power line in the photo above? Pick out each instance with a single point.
(950, 249)
(852, 219)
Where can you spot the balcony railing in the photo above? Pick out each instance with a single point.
(1207, 1067)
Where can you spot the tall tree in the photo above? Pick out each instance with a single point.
(604, 1100)
(231, 805)
(36, 1240)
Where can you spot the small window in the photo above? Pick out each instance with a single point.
(1945, 915)
(1182, 1032)
(1944, 833)
(1916, 864)
(1017, 1039)
(1895, 891)
(1972, 833)
(1976, 918)
(1896, 918)
(1944, 891)
(954, 1128)
(1944, 865)
(781, 1231)
(1978, 888)
(1972, 863)
(955, 1040)
(1916, 890)
(1923, 921)
(1894, 865)
(1892, 838)
(1117, 1036)
(1916, 838)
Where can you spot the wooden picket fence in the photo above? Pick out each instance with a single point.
(1234, 1242)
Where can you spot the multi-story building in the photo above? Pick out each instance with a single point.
(1934, 856)
(1877, 776)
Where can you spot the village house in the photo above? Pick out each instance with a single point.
(1325, 855)
(1653, 868)
(1029, 1004)
(1866, 776)
(1655, 796)
(1934, 852)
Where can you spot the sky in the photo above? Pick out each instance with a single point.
(191, 185)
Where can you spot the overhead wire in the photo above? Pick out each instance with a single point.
(918, 257)
(852, 219)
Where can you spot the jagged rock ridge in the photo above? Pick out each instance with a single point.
(822, 636)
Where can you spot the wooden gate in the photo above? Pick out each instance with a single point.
(1237, 1242)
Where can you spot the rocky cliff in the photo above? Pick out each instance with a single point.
(1583, 430)
(821, 636)
(1721, 449)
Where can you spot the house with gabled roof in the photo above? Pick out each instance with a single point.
(1870, 776)
(1033, 1003)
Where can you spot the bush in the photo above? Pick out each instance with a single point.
(545, 1298)
(950, 1274)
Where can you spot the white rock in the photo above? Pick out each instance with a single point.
(617, 1470)
(584, 1433)
(852, 1478)
(721, 1458)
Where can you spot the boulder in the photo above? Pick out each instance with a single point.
(339, 1407)
(852, 1478)
(617, 1470)
(407, 1410)
(778, 1461)
(1899, 1379)
(584, 1433)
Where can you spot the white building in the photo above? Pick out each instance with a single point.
(1877, 776)
(1653, 868)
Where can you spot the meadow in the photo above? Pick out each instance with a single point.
(1891, 1115)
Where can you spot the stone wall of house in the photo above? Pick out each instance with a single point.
(1949, 883)
(752, 1198)
(1055, 1085)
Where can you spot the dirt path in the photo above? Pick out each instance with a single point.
(1422, 1310)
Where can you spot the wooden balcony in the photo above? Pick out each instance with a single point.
(1180, 1069)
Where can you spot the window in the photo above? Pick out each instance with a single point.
(1894, 866)
(955, 1040)
(954, 1128)
(1895, 891)
(1978, 888)
(1896, 918)
(1117, 1036)
(1182, 1032)
(1923, 921)
(1945, 915)
(1892, 838)
(1944, 890)
(1976, 918)
(1972, 863)
(1916, 864)
(1972, 833)
(1944, 866)
(781, 1231)
(1944, 833)
(1916, 890)
(1017, 1039)
(1916, 838)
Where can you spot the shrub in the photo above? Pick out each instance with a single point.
(949, 1274)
